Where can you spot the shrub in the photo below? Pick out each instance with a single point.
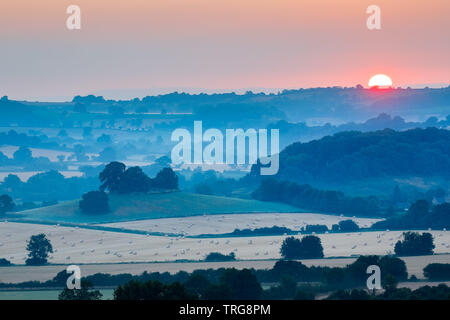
(94, 202)
(437, 271)
(348, 226)
(4, 262)
(309, 247)
(216, 256)
(415, 244)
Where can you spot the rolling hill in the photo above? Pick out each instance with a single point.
(151, 206)
(352, 156)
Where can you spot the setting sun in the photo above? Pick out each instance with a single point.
(381, 81)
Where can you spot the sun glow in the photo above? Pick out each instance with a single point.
(380, 81)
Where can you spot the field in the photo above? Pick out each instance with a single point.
(152, 206)
(219, 224)
(80, 245)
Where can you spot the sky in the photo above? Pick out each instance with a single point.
(129, 48)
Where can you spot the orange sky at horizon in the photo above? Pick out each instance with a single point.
(137, 44)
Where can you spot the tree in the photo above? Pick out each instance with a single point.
(4, 262)
(295, 269)
(309, 247)
(437, 271)
(38, 248)
(6, 204)
(415, 244)
(216, 256)
(80, 294)
(152, 290)
(242, 284)
(94, 202)
(348, 226)
(22, 155)
(166, 179)
(133, 180)
(418, 210)
(110, 176)
(198, 284)
(12, 182)
(389, 266)
(389, 283)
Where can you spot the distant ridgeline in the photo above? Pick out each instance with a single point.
(340, 104)
(353, 156)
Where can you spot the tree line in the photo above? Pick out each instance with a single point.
(306, 197)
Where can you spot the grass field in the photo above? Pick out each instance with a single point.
(152, 206)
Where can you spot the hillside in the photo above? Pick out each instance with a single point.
(152, 206)
(356, 156)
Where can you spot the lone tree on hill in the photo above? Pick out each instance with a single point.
(110, 176)
(166, 179)
(38, 247)
(94, 202)
(133, 180)
(116, 178)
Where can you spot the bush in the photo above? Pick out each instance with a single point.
(216, 256)
(317, 228)
(415, 244)
(275, 230)
(437, 271)
(348, 226)
(4, 262)
(94, 202)
(309, 247)
(295, 269)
